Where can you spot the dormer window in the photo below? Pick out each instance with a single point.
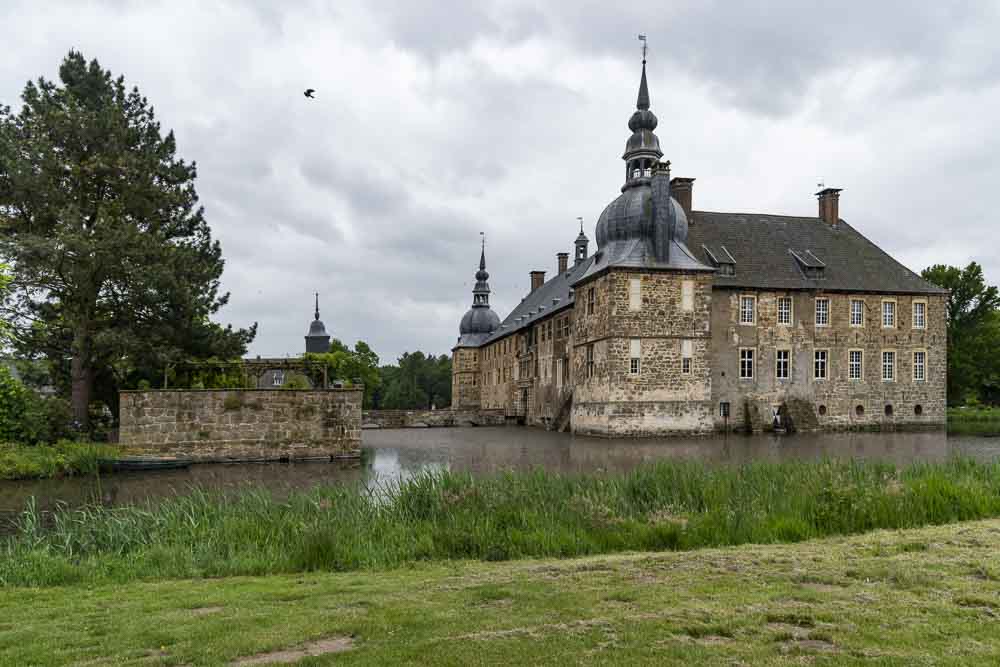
(721, 259)
(812, 266)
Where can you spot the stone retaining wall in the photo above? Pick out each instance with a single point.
(430, 418)
(241, 425)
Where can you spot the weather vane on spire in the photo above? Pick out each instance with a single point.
(580, 218)
(642, 38)
(483, 239)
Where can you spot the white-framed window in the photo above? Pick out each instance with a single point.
(746, 363)
(888, 314)
(636, 173)
(919, 366)
(785, 310)
(748, 310)
(857, 313)
(635, 294)
(647, 172)
(919, 314)
(686, 354)
(855, 364)
(888, 366)
(687, 296)
(635, 356)
(590, 360)
(559, 373)
(782, 364)
(822, 312)
(820, 360)
(278, 378)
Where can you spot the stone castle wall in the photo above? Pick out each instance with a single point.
(465, 378)
(834, 401)
(229, 425)
(660, 399)
(431, 418)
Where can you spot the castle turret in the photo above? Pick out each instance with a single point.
(317, 340)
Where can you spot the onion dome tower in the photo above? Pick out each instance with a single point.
(317, 340)
(644, 227)
(480, 320)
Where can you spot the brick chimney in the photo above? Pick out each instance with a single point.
(681, 189)
(562, 260)
(537, 279)
(829, 205)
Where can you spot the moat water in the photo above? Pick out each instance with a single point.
(391, 454)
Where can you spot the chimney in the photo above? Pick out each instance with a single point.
(681, 190)
(537, 279)
(829, 205)
(562, 259)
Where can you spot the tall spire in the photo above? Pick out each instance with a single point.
(642, 150)
(642, 103)
(317, 305)
(481, 292)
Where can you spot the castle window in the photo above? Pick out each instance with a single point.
(647, 172)
(855, 364)
(782, 364)
(590, 360)
(822, 312)
(748, 309)
(919, 314)
(559, 373)
(857, 313)
(888, 314)
(819, 364)
(634, 294)
(687, 296)
(278, 378)
(686, 354)
(635, 356)
(785, 310)
(888, 366)
(746, 363)
(636, 173)
(590, 301)
(919, 366)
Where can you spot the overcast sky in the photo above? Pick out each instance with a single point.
(436, 120)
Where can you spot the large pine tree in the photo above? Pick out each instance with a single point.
(115, 269)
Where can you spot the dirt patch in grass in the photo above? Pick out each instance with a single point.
(310, 650)
(205, 611)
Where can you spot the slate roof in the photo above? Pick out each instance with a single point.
(763, 247)
(539, 304)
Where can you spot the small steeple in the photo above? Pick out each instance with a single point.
(317, 340)
(317, 306)
(481, 292)
(642, 150)
(642, 102)
(581, 244)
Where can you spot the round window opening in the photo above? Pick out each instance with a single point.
(918, 410)
(822, 410)
(888, 410)
(860, 411)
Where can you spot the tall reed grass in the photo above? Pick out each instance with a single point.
(65, 457)
(443, 516)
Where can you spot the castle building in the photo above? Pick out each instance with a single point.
(688, 321)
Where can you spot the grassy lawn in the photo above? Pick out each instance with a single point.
(974, 421)
(922, 596)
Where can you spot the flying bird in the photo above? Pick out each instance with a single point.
(309, 93)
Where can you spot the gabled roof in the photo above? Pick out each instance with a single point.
(553, 296)
(763, 245)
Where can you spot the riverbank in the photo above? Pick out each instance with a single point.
(921, 596)
(515, 515)
(60, 459)
(974, 421)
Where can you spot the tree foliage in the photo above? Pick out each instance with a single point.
(419, 381)
(973, 315)
(359, 365)
(114, 264)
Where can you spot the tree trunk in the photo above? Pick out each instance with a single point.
(82, 381)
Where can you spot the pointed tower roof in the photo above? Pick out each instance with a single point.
(480, 320)
(317, 340)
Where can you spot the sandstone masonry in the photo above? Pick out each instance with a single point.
(231, 425)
